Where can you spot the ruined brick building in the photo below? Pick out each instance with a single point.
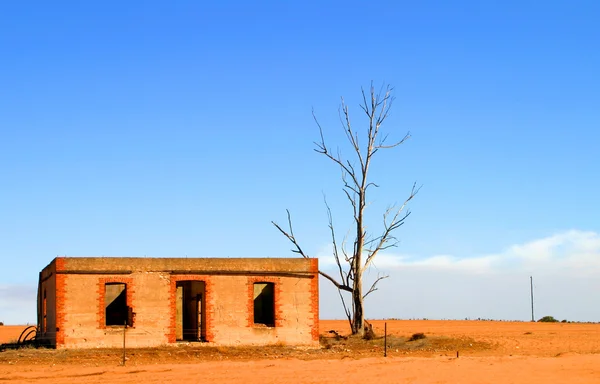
(86, 301)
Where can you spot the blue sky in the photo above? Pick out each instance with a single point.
(183, 128)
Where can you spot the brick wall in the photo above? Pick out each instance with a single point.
(60, 281)
(151, 292)
(84, 311)
(314, 299)
(48, 285)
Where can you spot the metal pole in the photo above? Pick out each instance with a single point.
(531, 283)
(124, 331)
(385, 339)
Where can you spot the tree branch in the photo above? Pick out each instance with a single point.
(342, 287)
(290, 235)
(346, 309)
(374, 285)
(395, 223)
(292, 238)
(322, 149)
(336, 255)
(382, 146)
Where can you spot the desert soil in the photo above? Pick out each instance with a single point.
(489, 352)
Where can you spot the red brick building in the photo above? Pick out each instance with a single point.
(86, 301)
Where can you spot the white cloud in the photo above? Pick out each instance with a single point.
(576, 250)
(565, 268)
(18, 304)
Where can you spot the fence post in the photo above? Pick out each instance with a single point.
(385, 339)
(124, 332)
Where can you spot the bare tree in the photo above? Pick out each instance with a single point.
(352, 264)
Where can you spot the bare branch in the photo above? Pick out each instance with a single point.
(374, 285)
(321, 148)
(371, 185)
(385, 103)
(292, 238)
(352, 202)
(343, 287)
(290, 235)
(396, 221)
(352, 136)
(363, 106)
(336, 255)
(346, 309)
(382, 146)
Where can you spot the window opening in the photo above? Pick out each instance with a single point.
(264, 304)
(115, 303)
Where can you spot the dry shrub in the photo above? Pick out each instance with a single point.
(417, 336)
(369, 333)
(337, 335)
(327, 342)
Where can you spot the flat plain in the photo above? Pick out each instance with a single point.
(488, 352)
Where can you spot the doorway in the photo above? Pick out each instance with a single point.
(190, 324)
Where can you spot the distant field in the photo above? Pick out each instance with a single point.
(490, 352)
(516, 338)
(10, 333)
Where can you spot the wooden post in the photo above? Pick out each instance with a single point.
(385, 339)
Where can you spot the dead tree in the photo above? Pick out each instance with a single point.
(352, 264)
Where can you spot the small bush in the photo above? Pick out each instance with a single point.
(547, 319)
(1, 323)
(337, 335)
(369, 333)
(417, 336)
(564, 321)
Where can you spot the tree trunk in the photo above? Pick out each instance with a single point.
(358, 320)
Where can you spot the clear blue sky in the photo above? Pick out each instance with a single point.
(183, 128)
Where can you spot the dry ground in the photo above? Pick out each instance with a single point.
(489, 352)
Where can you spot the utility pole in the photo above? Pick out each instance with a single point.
(531, 283)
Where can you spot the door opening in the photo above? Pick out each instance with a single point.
(190, 315)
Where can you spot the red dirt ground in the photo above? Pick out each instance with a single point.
(489, 352)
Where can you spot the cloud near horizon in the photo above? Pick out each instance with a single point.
(574, 250)
(565, 268)
(18, 304)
